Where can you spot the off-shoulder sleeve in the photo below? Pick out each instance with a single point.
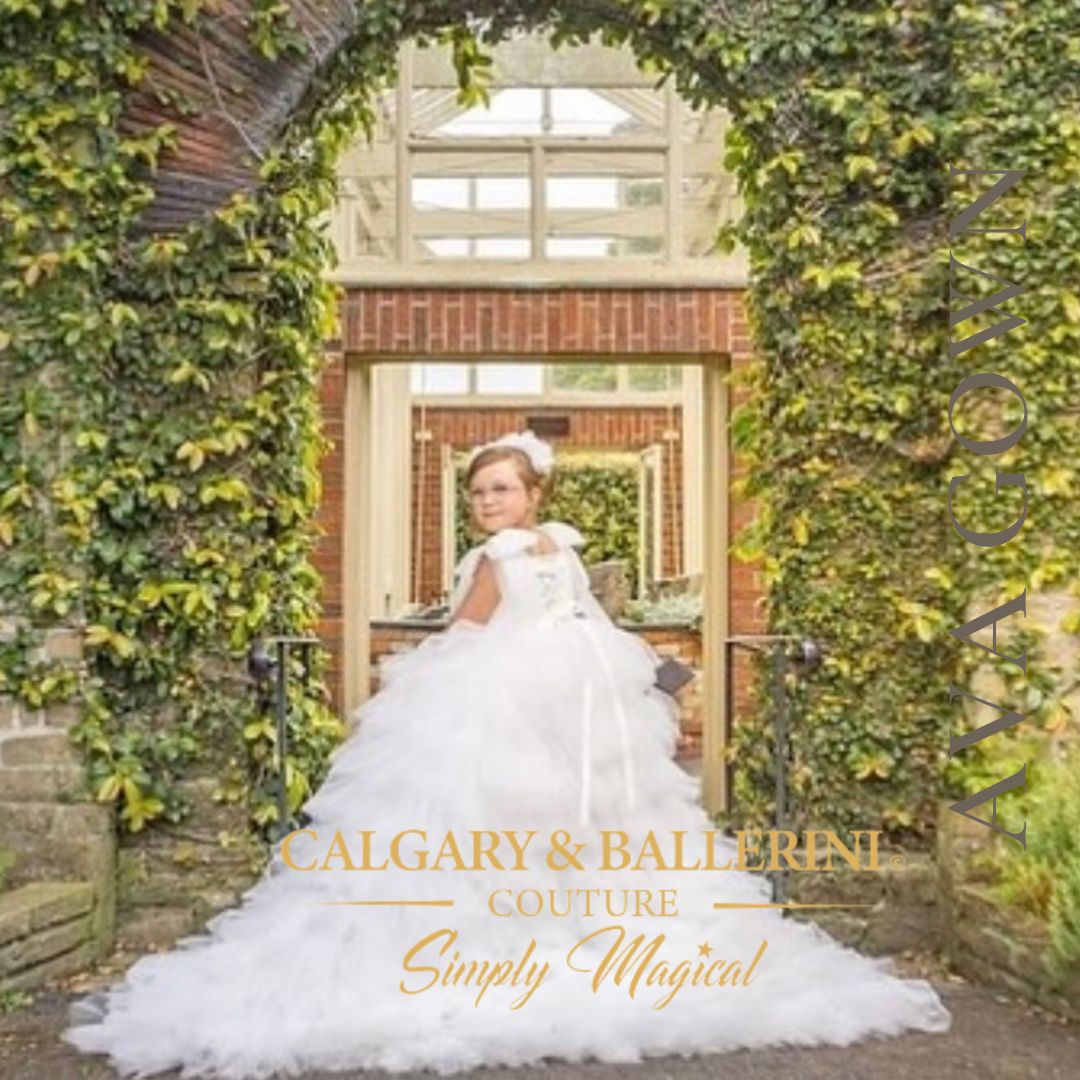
(564, 535)
(508, 542)
(499, 546)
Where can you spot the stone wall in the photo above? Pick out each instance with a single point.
(897, 906)
(37, 759)
(172, 878)
(986, 941)
(48, 929)
(57, 908)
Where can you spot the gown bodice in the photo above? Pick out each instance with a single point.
(546, 586)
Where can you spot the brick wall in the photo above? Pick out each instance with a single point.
(421, 323)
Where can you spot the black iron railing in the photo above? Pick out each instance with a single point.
(789, 651)
(269, 658)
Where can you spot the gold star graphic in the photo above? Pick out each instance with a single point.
(704, 950)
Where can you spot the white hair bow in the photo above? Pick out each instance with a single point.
(538, 452)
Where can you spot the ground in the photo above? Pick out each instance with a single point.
(994, 1037)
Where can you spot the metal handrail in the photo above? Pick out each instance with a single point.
(261, 666)
(801, 653)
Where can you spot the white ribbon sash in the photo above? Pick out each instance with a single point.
(588, 707)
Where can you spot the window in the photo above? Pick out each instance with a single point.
(579, 161)
(439, 378)
(509, 378)
(551, 381)
(584, 377)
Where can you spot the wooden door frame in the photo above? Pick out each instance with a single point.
(716, 476)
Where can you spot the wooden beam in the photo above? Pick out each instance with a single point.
(647, 272)
(716, 627)
(356, 543)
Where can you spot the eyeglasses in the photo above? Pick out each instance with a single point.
(500, 491)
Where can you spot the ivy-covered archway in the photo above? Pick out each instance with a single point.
(165, 315)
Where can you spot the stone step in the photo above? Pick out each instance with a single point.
(47, 930)
(42, 904)
(58, 967)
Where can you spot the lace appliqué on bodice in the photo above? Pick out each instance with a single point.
(555, 584)
(539, 585)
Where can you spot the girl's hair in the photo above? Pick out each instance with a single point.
(522, 464)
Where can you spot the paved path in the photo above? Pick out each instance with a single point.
(993, 1038)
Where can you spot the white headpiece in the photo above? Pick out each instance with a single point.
(538, 452)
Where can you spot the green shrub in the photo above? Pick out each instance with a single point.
(1045, 879)
(12, 1000)
(679, 608)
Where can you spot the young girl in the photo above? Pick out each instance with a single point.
(503, 865)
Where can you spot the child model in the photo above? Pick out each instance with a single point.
(504, 864)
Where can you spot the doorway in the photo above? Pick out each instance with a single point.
(363, 455)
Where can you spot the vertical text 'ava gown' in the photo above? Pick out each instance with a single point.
(545, 718)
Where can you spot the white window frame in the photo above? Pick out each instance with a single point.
(549, 396)
(667, 267)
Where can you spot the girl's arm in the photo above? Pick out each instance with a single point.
(483, 595)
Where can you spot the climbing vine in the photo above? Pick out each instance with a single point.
(159, 430)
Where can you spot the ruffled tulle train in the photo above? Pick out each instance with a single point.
(479, 731)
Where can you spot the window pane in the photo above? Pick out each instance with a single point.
(653, 376)
(603, 192)
(515, 111)
(577, 110)
(502, 247)
(364, 222)
(444, 247)
(439, 378)
(604, 205)
(708, 196)
(584, 378)
(471, 205)
(434, 191)
(503, 192)
(464, 247)
(509, 378)
(579, 247)
(471, 192)
(582, 192)
(603, 247)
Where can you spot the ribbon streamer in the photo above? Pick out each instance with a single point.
(586, 727)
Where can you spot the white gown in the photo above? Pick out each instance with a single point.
(543, 719)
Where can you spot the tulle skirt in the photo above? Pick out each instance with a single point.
(436, 911)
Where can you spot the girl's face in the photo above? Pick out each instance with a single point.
(498, 498)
